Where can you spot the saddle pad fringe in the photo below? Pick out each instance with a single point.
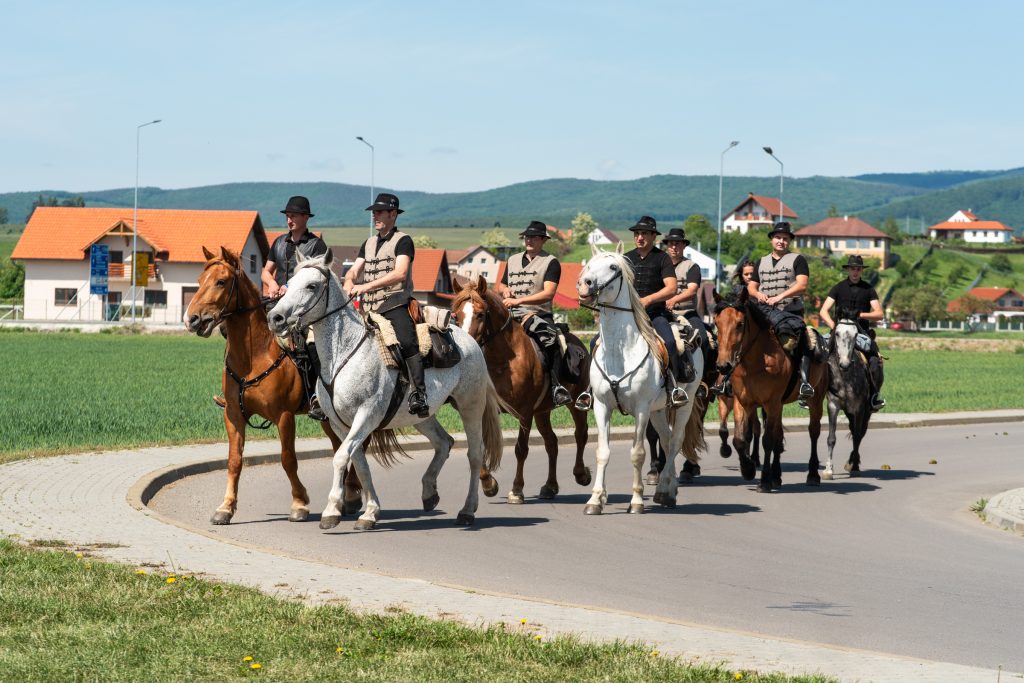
(386, 337)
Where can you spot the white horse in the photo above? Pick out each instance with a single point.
(355, 388)
(628, 372)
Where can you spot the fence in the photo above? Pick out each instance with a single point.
(1002, 325)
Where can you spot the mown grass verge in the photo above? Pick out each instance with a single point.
(67, 392)
(65, 616)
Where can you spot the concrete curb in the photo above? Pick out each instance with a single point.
(1006, 510)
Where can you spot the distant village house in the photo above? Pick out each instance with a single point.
(757, 213)
(844, 236)
(964, 225)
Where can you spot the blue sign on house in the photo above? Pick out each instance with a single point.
(99, 269)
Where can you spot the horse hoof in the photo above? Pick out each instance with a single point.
(854, 473)
(827, 476)
(652, 478)
(590, 509)
(515, 498)
(431, 503)
(583, 478)
(814, 481)
(330, 522)
(547, 492)
(464, 519)
(658, 497)
(364, 524)
(668, 502)
(299, 515)
(636, 508)
(776, 483)
(351, 507)
(490, 486)
(685, 477)
(764, 488)
(220, 518)
(696, 469)
(725, 451)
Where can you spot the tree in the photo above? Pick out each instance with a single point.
(970, 307)
(1001, 263)
(425, 242)
(833, 211)
(12, 280)
(699, 230)
(582, 225)
(891, 228)
(494, 238)
(821, 279)
(919, 303)
(3, 215)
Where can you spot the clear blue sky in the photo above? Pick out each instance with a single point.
(460, 96)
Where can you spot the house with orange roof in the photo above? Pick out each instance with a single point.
(473, 262)
(55, 250)
(964, 225)
(1005, 303)
(757, 213)
(431, 279)
(845, 235)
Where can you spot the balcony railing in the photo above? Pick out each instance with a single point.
(121, 271)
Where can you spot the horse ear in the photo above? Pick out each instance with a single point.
(481, 284)
(620, 248)
(208, 254)
(458, 283)
(594, 251)
(229, 257)
(717, 297)
(328, 257)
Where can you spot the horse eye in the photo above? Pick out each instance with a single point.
(311, 287)
(220, 283)
(615, 268)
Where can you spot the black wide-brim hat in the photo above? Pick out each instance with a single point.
(535, 229)
(385, 202)
(781, 226)
(676, 235)
(298, 204)
(854, 261)
(646, 224)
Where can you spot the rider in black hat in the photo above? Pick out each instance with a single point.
(279, 268)
(779, 282)
(527, 288)
(382, 276)
(683, 304)
(655, 281)
(856, 296)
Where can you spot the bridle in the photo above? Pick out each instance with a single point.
(223, 312)
(739, 352)
(596, 293)
(489, 331)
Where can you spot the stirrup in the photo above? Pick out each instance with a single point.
(806, 390)
(314, 411)
(677, 397)
(585, 401)
(702, 391)
(560, 396)
(877, 403)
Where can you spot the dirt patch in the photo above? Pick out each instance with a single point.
(916, 343)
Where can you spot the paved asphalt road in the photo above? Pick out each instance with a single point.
(893, 561)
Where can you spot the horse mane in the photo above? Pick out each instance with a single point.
(643, 322)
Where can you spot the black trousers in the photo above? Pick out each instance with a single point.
(405, 330)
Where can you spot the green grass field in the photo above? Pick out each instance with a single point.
(68, 617)
(66, 392)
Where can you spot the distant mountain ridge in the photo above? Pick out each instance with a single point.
(925, 197)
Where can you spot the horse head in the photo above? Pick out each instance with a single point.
(604, 278)
(844, 337)
(307, 297)
(731, 323)
(477, 309)
(223, 290)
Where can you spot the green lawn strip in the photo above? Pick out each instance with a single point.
(70, 617)
(67, 392)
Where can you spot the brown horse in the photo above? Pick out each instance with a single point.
(764, 376)
(271, 384)
(725, 405)
(515, 367)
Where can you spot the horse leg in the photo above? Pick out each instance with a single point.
(756, 437)
(300, 499)
(814, 431)
(723, 427)
(637, 455)
(235, 425)
(833, 419)
(351, 451)
(353, 498)
(741, 434)
(599, 494)
(515, 496)
(771, 469)
(657, 454)
(857, 430)
(667, 486)
(442, 443)
(581, 434)
(472, 414)
(550, 488)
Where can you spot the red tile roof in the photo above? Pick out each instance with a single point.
(969, 215)
(770, 204)
(66, 233)
(839, 226)
(992, 293)
(426, 267)
(973, 225)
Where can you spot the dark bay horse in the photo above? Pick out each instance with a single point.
(273, 384)
(521, 380)
(725, 407)
(849, 389)
(763, 376)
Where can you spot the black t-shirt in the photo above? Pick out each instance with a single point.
(404, 246)
(853, 297)
(282, 253)
(650, 274)
(553, 273)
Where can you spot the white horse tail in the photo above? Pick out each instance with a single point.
(693, 434)
(493, 439)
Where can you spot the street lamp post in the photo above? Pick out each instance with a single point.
(718, 253)
(372, 195)
(135, 211)
(782, 168)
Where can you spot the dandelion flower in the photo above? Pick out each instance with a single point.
(738, 676)
(247, 659)
(171, 579)
(522, 621)
(255, 665)
(536, 637)
(339, 649)
(140, 571)
(654, 653)
(78, 554)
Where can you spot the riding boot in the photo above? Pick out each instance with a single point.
(418, 396)
(309, 374)
(560, 396)
(875, 376)
(806, 390)
(687, 373)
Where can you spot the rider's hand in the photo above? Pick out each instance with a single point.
(273, 291)
(510, 302)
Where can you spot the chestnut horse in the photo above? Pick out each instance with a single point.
(764, 376)
(272, 382)
(521, 381)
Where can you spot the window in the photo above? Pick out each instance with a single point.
(156, 298)
(65, 296)
(252, 263)
(851, 244)
(116, 256)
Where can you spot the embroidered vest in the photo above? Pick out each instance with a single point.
(776, 278)
(526, 278)
(682, 268)
(380, 261)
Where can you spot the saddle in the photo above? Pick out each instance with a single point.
(436, 344)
